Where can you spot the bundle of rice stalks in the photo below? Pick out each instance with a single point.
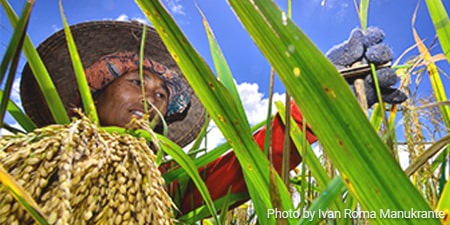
(79, 174)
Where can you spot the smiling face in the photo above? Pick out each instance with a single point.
(122, 99)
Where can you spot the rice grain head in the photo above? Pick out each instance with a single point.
(79, 174)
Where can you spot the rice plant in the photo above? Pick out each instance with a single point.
(329, 187)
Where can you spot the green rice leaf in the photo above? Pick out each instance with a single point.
(329, 106)
(309, 158)
(202, 211)
(376, 118)
(441, 23)
(24, 121)
(186, 163)
(222, 69)
(279, 200)
(199, 162)
(12, 57)
(85, 92)
(331, 192)
(16, 39)
(363, 13)
(201, 135)
(43, 78)
(444, 203)
(225, 207)
(203, 160)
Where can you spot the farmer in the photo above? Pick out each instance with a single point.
(109, 52)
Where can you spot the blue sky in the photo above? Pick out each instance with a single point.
(326, 22)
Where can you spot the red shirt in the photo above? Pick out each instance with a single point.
(225, 173)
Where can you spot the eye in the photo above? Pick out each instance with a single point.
(160, 95)
(136, 81)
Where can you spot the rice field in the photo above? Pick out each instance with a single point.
(328, 187)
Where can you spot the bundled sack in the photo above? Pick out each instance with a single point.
(79, 174)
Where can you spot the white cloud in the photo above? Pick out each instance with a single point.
(125, 17)
(122, 17)
(337, 9)
(175, 7)
(214, 137)
(334, 4)
(56, 28)
(15, 92)
(255, 106)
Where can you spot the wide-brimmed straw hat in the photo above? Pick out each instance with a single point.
(95, 40)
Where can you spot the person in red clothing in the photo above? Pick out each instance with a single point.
(109, 51)
(224, 175)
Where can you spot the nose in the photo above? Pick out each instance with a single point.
(147, 102)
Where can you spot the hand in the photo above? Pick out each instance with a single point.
(364, 47)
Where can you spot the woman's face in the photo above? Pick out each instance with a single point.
(122, 99)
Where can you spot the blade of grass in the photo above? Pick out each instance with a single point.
(376, 118)
(329, 194)
(363, 12)
(160, 117)
(23, 197)
(203, 160)
(201, 136)
(390, 136)
(332, 111)
(287, 126)
(24, 121)
(202, 211)
(222, 68)
(434, 149)
(16, 39)
(276, 198)
(441, 23)
(220, 105)
(435, 78)
(378, 113)
(444, 203)
(41, 74)
(141, 72)
(199, 162)
(310, 159)
(267, 139)
(225, 207)
(85, 92)
(379, 108)
(13, 50)
(188, 165)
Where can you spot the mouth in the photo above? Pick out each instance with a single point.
(139, 114)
